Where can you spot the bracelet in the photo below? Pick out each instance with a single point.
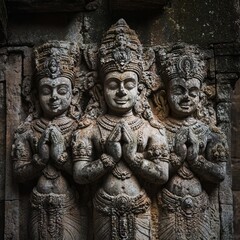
(138, 160)
(107, 161)
(37, 161)
(62, 159)
(175, 160)
(199, 162)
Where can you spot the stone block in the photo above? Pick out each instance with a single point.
(236, 207)
(224, 112)
(226, 222)
(224, 92)
(229, 49)
(11, 230)
(225, 191)
(236, 174)
(228, 64)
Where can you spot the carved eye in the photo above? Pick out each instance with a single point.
(112, 85)
(178, 91)
(45, 90)
(193, 92)
(130, 84)
(63, 90)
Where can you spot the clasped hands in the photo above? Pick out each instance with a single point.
(51, 144)
(187, 145)
(121, 142)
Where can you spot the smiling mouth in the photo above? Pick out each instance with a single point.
(185, 105)
(54, 105)
(121, 101)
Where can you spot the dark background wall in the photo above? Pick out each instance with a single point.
(213, 24)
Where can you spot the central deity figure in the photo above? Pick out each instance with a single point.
(120, 150)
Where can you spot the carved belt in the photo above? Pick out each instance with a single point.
(121, 203)
(122, 209)
(50, 210)
(187, 205)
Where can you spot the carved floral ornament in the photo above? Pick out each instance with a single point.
(128, 136)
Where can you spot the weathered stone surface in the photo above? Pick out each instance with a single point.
(137, 5)
(194, 21)
(11, 230)
(13, 117)
(2, 153)
(224, 112)
(225, 85)
(229, 64)
(235, 113)
(45, 6)
(226, 220)
(236, 199)
(3, 21)
(227, 49)
(235, 173)
(43, 27)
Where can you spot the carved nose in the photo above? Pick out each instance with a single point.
(186, 97)
(121, 92)
(54, 96)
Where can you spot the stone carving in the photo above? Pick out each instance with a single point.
(116, 149)
(198, 153)
(153, 170)
(41, 147)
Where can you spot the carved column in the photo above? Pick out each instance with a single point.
(227, 73)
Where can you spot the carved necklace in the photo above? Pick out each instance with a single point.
(173, 125)
(121, 174)
(64, 123)
(50, 172)
(109, 122)
(185, 172)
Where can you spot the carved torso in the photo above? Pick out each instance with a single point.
(53, 195)
(184, 196)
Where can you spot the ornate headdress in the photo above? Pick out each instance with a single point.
(56, 59)
(121, 50)
(185, 61)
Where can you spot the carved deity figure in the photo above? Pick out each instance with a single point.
(119, 151)
(41, 147)
(198, 153)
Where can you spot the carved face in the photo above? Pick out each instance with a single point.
(55, 96)
(120, 91)
(183, 96)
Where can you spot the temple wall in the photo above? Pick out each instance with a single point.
(213, 25)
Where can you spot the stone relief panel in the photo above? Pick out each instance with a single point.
(123, 145)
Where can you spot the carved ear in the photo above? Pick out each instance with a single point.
(75, 107)
(90, 56)
(151, 80)
(75, 96)
(148, 58)
(160, 99)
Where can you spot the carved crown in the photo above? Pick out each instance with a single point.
(120, 50)
(184, 61)
(56, 59)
